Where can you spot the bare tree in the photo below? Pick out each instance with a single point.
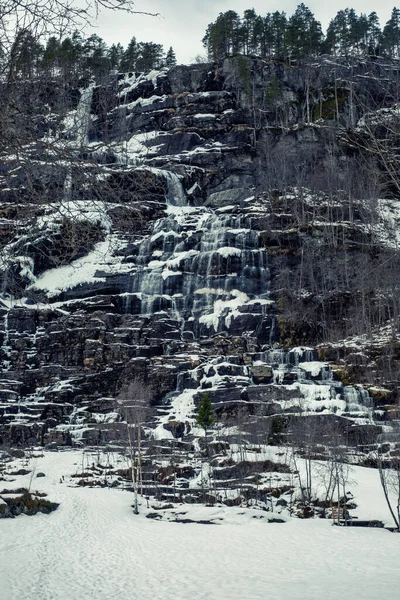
(303, 436)
(49, 173)
(39, 19)
(389, 475)
(133, 402)
(54, 16)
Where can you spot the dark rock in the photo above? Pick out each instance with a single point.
(262, 374)
(161, 306)
(281, 502)
(177, 428)
(16, 453)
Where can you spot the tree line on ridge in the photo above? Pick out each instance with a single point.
(276, 35)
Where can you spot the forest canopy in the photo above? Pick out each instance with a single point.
(276, 35)
(77, 55)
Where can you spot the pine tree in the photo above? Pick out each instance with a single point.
(337, 35)
(222, 37)
(115, 55)
(70, 54)
(150, 56)
(279, 26)
(248, 40)
(25, 54)
(205, 415)
(354, 24)
(95, 58)
(130, 57)
(374, 33)
(304, 33)
(67, 57)
(51, 55)
(170, 58)
(391, 35)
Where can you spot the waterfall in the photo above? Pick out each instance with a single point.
(79, 133)
(313, 383)
(6, 349)
(67, 189)
(82, 115)
(176, 196)
(356, 396)
(199, 265)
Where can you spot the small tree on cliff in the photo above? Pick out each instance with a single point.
(170, 58)
(205, 416)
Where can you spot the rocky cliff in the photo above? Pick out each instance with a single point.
(201, 230)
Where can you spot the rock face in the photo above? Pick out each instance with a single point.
(159, 256)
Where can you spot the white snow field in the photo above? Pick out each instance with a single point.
(94, 548)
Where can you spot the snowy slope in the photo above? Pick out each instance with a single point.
(94, 547)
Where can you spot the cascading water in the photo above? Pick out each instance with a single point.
(67, 190)
(316, 386)
(82, 116)
(176, 196)
(200, 266)
(5, 348)
(79, 133)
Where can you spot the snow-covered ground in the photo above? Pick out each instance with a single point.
(93, 546)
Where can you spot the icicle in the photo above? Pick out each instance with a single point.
(67, 191)
(176, 196)
(6, 344)
(199, 265)
(82, 116)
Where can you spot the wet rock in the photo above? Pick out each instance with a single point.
(262, 373)
(161, 301)
(56, 438)
(177, 428)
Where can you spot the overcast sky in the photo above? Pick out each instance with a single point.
(182, 23)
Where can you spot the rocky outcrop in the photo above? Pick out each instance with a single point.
(21, 502)
(201, 226)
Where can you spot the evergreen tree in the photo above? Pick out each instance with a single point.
(258, 35)
(350, 34)
(70, 54)
(115, 55)
(391, 35)
(374, 34)
(94, 56)
(130, 56)
(362, 30)
(222, 38)
(170, 58)
(25, 55)
(337, 35)
(330, 42)
(67, 57)
(214, 40)
(247, 33)
(51, 55)
(279, 25)
(304, 33)
(355, 32)
(150, 56)
(205, 415)
(266, 38)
